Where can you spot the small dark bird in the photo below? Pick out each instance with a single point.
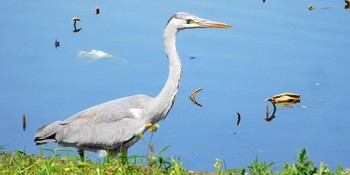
(57, 43)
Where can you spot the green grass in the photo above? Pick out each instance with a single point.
(18, 162)
(303, 166)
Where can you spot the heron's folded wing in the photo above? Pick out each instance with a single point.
(111, 111)
(107, 124)
(109, 135)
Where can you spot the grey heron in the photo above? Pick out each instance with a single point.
(116, 125)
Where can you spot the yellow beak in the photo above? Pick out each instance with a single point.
(212, 24)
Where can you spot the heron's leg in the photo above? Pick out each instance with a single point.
(123, 154)
(114, 152)
(124, 151)
(81, 154)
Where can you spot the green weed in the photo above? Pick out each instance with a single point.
(262, 168)
(303, 166)
(19, 162)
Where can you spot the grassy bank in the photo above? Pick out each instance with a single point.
(18, 162)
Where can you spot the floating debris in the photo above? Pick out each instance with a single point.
(192, 57)
(285, 99)
(239, 118)
(311, 8)
(267, 111)
(97, 10)
(24, 119)
(269, 119)
(76, 30)
(192, 97)
(239, 132)
(94, 54)
(57, 44)
(75, 19)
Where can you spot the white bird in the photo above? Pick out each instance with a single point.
(116, 125)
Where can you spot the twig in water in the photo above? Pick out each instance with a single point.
(192, 97)
(24, 119)
(57, 44)
(268, 119)
(267, 111)
(239, 118)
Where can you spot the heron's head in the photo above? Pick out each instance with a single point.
(182, 20)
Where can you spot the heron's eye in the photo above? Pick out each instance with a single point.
(189, 21)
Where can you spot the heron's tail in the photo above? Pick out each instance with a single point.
(47, 133)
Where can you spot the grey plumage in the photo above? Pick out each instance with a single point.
(116, 125)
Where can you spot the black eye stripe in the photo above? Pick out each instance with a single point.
(189, 21)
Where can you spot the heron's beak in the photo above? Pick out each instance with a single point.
(212, 24)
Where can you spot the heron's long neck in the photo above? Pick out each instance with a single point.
(166, 98)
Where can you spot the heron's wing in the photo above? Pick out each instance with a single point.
(111, 111)
(101, 135)
(107, 124)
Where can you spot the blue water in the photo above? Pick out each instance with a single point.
(274, 47)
